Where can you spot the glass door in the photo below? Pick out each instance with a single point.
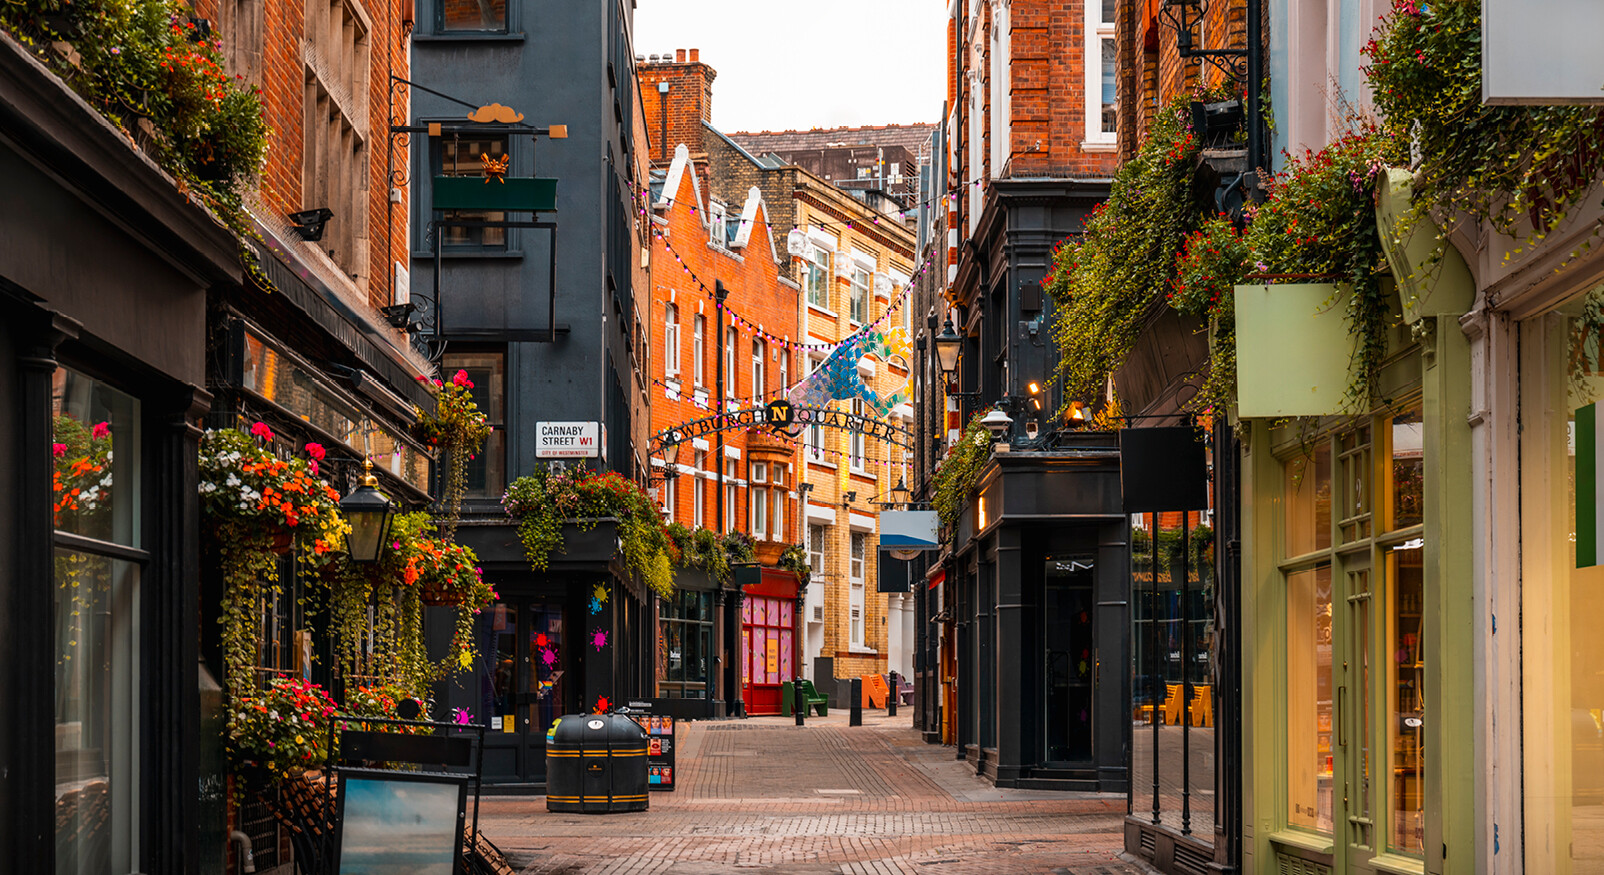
(523, 686)
(1068, 650)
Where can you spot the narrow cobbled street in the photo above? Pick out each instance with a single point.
(763, 795)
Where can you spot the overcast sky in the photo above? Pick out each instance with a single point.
(808, 63)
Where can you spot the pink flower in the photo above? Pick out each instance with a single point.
(316, 451)
(59, 450)
(461, 379)
(260, 430)
(100, 430)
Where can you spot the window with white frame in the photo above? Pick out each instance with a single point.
(698, 348)
(716, 225)
(861, 280)
(670, 340)
(817, 276)
(699, 491)
(669, 494)
(1001, 87)
(758, 500)
(778, 492)
(731, 508)
(729, 363)
(859, 548)
(759, 350)
(785, 369)
(1102, 56)
(816, 548)
(857, 453)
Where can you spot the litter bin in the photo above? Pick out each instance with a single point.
(596, 764)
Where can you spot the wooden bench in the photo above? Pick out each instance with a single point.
(811, 699)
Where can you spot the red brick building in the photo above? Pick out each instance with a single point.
(708, 360)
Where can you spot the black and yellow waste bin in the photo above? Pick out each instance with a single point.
(596, 764)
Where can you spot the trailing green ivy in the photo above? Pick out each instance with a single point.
(1103, 283)
(543, 501)
(1520, 169)
(955, 479)
(707, 550)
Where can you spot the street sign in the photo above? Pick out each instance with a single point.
(778, 413)
(567, 440)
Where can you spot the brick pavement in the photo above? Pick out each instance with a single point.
(762, 795)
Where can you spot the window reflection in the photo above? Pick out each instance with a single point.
(95, 451)
(1307, 491)
(1406, 722)
(1408, 469)
(1309, 689)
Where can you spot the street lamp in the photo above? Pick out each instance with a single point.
(948, 345)
(899, 493)
(997, 422)
(368, 511)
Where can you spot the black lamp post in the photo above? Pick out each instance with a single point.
(368, 512)
(948, 346)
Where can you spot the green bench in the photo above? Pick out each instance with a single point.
(811, 699)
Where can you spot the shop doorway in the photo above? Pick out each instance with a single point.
(766, 647)
(525, 683)
(1069, 650)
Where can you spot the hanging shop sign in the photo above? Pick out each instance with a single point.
(494, 193)
(567, 440)
(785, 417)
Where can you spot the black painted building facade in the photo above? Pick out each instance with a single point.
(547, 326)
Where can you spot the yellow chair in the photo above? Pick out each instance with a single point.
(1202, 705)
(1172, 705)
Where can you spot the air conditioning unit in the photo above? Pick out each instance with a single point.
(818, 613)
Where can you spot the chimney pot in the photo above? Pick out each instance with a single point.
(696, 55)
(679, 56)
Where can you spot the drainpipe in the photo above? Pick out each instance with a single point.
(247, 856)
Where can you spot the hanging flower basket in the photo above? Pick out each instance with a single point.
(438, 594)
(281, 541)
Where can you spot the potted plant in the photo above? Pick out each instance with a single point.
(279, 731)
(255, 504)
(459, 429)
(548, 500)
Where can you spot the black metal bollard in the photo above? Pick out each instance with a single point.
(799, 702)
(856, 718)
(891, 697)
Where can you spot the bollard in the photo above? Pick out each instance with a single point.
(799, 703)
(856, 718)
(891, 697)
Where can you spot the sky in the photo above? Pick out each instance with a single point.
(814, 63)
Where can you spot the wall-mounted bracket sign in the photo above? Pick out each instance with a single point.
(514, 194)
(567, 440)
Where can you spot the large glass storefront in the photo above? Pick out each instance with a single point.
(1351, 558)
(685, 645)
(98, 562)
(1562, 587)
(1172, 651)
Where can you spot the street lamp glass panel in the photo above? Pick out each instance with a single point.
(368, 512)
(948, 345)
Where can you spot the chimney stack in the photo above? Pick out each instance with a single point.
(696, 56)
(679, 56)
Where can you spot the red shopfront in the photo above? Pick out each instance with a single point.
(768, 640)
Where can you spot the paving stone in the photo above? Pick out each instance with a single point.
(762, 795)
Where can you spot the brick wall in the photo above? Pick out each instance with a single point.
(265, 43)
(689, 100)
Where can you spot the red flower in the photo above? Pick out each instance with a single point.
(100, 430)
(461, 379)
(260, 430)
(59, 450)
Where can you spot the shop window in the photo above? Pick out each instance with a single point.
(96, 626)
(1354, 481)
(457, 155)
(1406, 681)
(687, 632)
(766, 630)
(1309, 699)
(1408, 470)
(487, 469)
(473, 16)
(1307, 494)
